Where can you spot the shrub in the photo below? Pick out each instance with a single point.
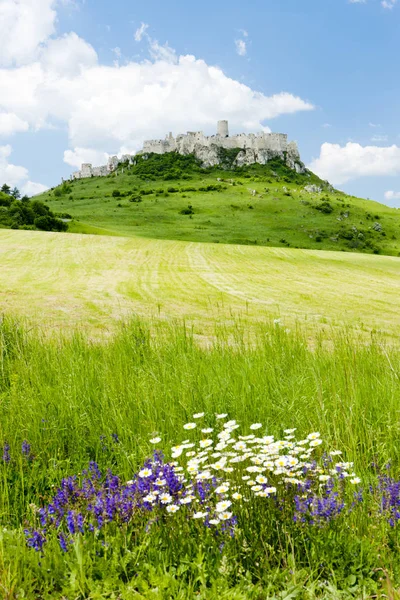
(116, 194)
(49, 223)
(324, 207)
(187, 211)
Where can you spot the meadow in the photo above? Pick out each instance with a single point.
(63, 281)
(199, 390)
(72, 407)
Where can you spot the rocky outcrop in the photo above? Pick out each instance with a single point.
(313, 189)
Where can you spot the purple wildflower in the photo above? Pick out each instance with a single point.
(6, 453)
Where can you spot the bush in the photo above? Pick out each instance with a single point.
(49, 223)
(116, 194)
(324, 207)
(187, 211)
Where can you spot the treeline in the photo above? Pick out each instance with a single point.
(18, 212)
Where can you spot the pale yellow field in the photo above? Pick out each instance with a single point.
(65, 280)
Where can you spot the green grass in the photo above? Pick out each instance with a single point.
(63, 393)
(258, 205)
(70, 281)
(153, 321)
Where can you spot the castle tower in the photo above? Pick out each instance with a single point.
(222, 129)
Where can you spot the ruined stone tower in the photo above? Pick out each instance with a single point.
(223, 129)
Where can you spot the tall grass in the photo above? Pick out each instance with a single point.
(67, 396)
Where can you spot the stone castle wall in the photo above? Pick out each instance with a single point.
(255, 148)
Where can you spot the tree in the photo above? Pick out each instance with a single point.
(6, 189)
(15, 193)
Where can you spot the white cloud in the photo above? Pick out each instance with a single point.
(241, 47)
(389, 4)
(163, 53)
(15, 175)
(390, 195)
(68, 55)
(59, 81)
(30, 188)
(379, 138)
(326, 125)
(108, 107)
(339, 164)
(77, 156)
(24, 25)
(140, 32)
(373, 125)
(10, 123)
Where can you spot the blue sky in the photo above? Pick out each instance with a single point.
(81, 80)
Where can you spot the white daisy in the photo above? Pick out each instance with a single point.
(222, 489)
(314, 436)
(165, 498)
(223, 506)
(225, 516)
(237, 496)
(145, 473)
(261, 479)
(315, 442)
(205, 443)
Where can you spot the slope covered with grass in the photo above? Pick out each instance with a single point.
(171, 197)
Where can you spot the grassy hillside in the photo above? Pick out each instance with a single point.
(69, 280)
(171, 197)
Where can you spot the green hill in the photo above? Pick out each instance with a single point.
(171, 197)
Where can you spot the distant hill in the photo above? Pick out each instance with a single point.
(171, 196)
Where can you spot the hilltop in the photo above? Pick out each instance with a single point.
(170, 196)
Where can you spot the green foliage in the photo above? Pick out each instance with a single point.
(227, 156)
(187, 211)
(49, 223)
(63, 189)
(28, 214)
(324, 207)
(168, 166)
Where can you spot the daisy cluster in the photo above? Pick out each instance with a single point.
(256, 465)
(210, 476)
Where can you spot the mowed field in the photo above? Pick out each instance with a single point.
(67, 281)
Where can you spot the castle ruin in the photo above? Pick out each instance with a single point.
(252, 148)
